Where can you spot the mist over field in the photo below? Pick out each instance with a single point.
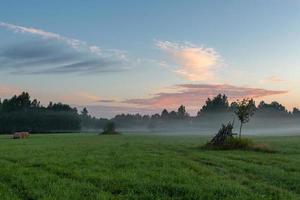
(21, 113)
(256, 127)
(268, 119)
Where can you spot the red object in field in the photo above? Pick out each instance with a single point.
(20, 135)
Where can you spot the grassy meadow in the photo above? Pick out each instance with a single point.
(89, 166)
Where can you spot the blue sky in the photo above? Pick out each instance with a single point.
(146, 51)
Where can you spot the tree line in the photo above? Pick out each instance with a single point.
(20, 113)
(215, 111)
(218, 105)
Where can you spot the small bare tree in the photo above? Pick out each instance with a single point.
(244, 110)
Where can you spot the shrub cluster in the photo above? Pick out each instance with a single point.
(234, 143)
(225, 140)
(110, 129)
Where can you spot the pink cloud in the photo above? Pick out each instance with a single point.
(194, 95)
(106, 101)
(272, 79)
(195, 63)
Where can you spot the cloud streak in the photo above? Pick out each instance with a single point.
(272, 79)
(74, 43)
(106, 101)
(194, 95)
(194, 63)
(52, 53)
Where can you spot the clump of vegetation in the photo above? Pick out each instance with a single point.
(262, 148)
(237, 143)
(110, 129)
(225, 140)
(223, 135)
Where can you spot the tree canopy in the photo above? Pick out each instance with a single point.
(20, 113)
(219, 103)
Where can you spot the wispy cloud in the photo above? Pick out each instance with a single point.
(194, 95)
(272, 79)
(54, 53)
(106, 101)
(74, 43)
(194, 63)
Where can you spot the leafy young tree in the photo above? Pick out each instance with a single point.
(244, 110)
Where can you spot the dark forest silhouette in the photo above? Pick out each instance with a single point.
(20, 113)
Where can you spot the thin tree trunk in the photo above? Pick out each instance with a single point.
(240, 135)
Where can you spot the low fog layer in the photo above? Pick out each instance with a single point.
(256, 126)
(20, 113)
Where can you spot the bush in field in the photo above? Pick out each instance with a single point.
(246, 144)
(110, 129)
(225, 140)
(223, 134)
(237, 143)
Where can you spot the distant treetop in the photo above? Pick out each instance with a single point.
(217, 104)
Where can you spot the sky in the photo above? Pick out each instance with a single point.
(141, 56)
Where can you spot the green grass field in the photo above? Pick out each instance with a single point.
(89, 166)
